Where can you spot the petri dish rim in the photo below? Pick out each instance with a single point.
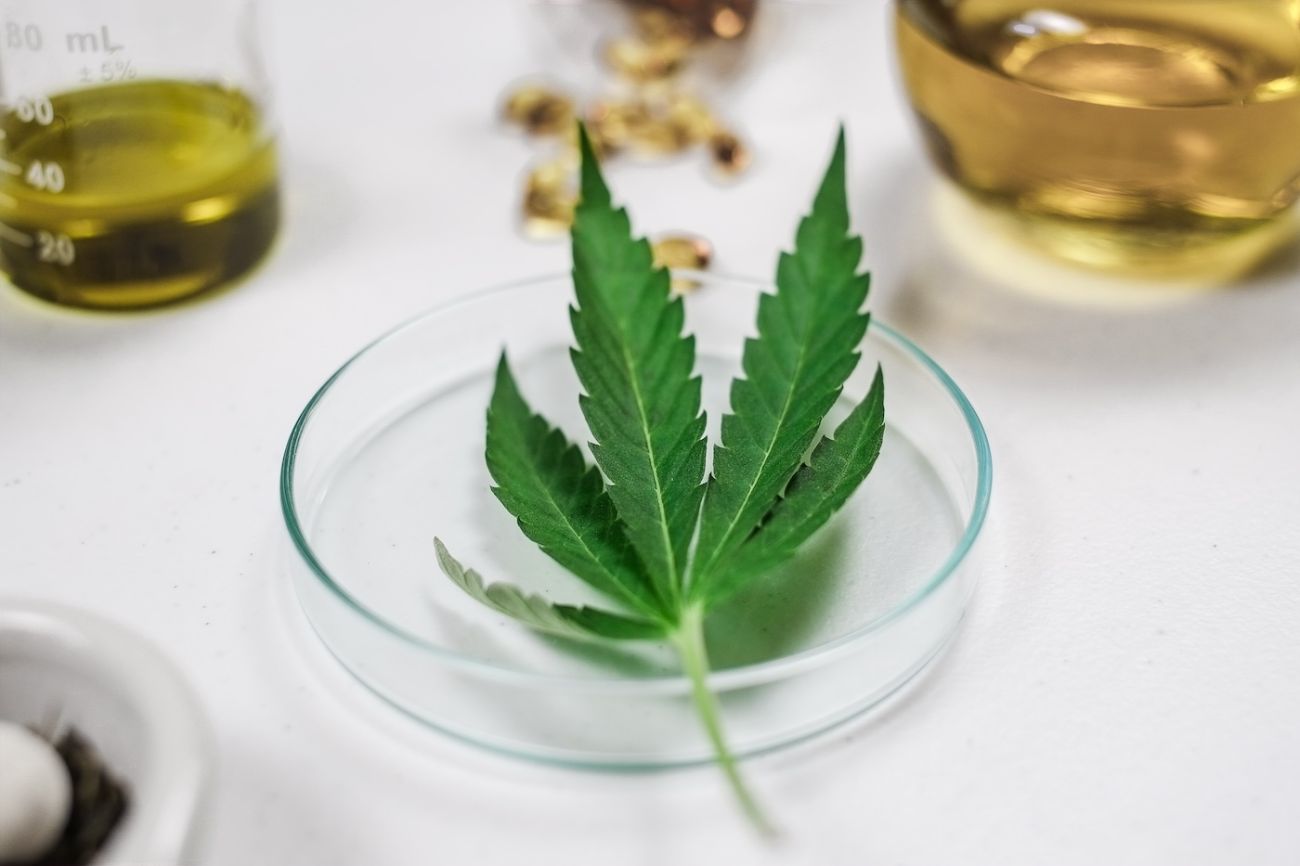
(731, 678)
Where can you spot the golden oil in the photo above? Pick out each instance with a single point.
(135, 194)
(1155, 137)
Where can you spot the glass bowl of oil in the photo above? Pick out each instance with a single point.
(389, 453)
(1154, 138)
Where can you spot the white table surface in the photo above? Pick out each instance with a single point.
(1125, 688)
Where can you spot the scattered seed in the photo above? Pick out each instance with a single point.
(647, 113)
(539, 110)
(642, 62)
(727, 23)
(546, 219)
(724, 19)
(555, 176)
(549, 199)
(655, 25)
(691, 118)
(613, 124)
(682, 251)
(659, 137)
(730, 155)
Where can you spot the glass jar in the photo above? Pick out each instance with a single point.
(1152, 137)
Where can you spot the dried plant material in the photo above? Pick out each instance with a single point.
(539, 110)
(99, 803)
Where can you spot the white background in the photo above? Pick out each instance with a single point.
(1125, 690)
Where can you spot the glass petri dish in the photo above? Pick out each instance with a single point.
(389, 453)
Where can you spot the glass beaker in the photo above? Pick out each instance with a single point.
(137, 149)
(1155, 137)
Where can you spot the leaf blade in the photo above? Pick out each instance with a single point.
(642, 399)
(819, 489)
(575, 623)
(559, 502)
(793, 372)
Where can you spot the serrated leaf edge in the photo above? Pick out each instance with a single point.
(533, 610)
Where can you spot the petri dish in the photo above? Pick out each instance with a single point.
(389, 453)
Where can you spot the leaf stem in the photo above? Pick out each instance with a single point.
(695, 660)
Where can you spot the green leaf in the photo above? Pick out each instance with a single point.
(629, 533)
(837, 468)
(559, 501)
(808, 335)
(580, 623)
(642, 400)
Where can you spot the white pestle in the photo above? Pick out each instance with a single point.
(35, 795)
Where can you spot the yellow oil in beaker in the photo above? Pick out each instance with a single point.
(135, 194)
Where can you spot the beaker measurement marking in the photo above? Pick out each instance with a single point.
(46, 176)
(19, 36)
(23, 37)
(55, 248)
(36, 109)
(109, 71)
(92, 43)
(14, 236)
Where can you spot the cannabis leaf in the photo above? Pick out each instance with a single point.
(808, 334)
(582, 623)
(626, 525)
(642, 400)
(560, 501)
(820, 488)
